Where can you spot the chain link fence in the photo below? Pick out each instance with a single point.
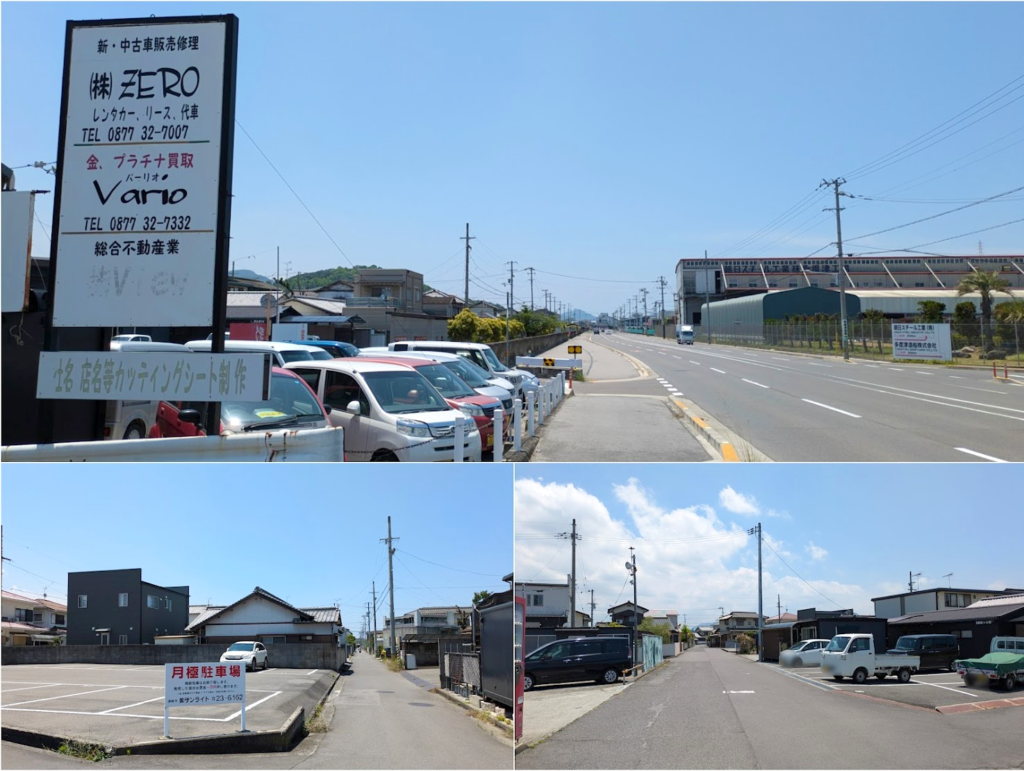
(973, 342)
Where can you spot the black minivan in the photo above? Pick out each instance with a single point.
(937, 651)
(601, 659)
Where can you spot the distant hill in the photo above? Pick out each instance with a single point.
(318, 278)
(578, 315)
(251, 274)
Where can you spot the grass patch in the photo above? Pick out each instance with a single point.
(83, 750)
(316, 723)
(395, 664)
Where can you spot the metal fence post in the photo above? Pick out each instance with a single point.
(499, 435)
(517, 425)
(460, 438)
(542, 404)
(529, 413)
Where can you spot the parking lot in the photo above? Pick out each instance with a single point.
(550, 708)
(930, 690)
(123, 705)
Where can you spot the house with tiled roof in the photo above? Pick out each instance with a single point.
(33, 620)
(264, 617)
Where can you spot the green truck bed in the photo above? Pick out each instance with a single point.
(999, 664)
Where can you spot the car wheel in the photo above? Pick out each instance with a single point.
(968, 680)
(135, 431)
(528, 682)
(903, 675)
(385, 456)
(252, 664)
(266, 663)
(951, 666)
(610, 676)
(1009, 682)
(798, 662)
(860, 676)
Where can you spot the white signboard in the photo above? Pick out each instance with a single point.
(287, 333)
(926, 342)
(195, 377)
(203, 685)
(140, 175)
(16, 250)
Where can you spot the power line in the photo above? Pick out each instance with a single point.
(446, 567)
(942, 240)
(342, 251)
(799, 207)
(589, 278)
(941, 214)
(768, 544)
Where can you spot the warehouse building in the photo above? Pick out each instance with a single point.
(974, 626)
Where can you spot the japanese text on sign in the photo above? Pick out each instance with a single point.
(930, 342)
(140, 177)
(187, 685)
(203, 377)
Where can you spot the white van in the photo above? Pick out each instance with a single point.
(282, 352)
(478, 353)
(390, 412)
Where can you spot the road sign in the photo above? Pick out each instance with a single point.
(549, 362)
(575, 349)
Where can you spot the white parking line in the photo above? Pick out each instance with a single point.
(254, 704)
(759, 385)
(834, 409)
(955, 690)
(676, 357)
(719, 371)
(694, 362)
(737, 691)
(129, 706)
(978, 454)
(66, 696)
(30, 688)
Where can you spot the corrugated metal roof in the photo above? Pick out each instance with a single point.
(199, 620)
(333, 307)
(976, 612)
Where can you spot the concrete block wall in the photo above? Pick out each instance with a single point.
(286, 656)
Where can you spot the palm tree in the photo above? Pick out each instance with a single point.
(985, 284)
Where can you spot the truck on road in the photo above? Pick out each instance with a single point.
(854, 656)
(684, 335)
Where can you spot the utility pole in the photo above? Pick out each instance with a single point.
(366, 628)
(572, 536)
(780, 608)
(631, 569)
(531, 271)
(707, 296)
(644, 293)
(467, 238)
(760, 606)
(511, 282)
(375, 618)
(278, 304)
(391, 579)
(661, 281)
(835, 183)
(913, 575)
(592, 607)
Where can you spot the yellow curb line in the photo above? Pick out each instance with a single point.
(729, 453)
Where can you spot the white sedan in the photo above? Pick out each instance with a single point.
(254, 654)
(806, 653)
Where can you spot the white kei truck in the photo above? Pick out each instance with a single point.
(854, 656)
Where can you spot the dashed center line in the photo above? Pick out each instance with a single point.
(834, 409)
(719, 371)
(694, 362)
(759, 385)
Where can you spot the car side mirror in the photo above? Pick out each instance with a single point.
(328, 409)
(190, 416)
(353, 408)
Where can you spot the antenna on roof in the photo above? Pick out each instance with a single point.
(950, 577)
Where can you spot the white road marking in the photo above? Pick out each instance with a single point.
(676, 393)
(759, 385)
(780, 358)
(737, 691)
(129, 706)
(67, 696)
(313, 672)
(955, 690)
(254, 704)
(978, 454)
(30, 688)
(145, 717)
(694, 362)
(983, 390)
(919, 372)
(895, 369)
(957, 377)
(834, 409)
(894, 391)
(816, 364)
(719, 371)
(871, 366)
(676, 357)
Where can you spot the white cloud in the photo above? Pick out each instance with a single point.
(687, 558)
(738, 503)
(816, 552)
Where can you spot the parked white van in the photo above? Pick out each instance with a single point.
(282, 352)
(480, 380)
(389, 412)
(478, 353)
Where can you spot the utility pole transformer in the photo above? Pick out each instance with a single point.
(391, 575)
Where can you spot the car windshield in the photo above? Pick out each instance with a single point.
(290, 400)
(798, 647)
(496, 365)
(289, 356)
(472, 374)
(838, 644)
(448, 384)
(406, 391)
(320, 354)
(908, 644)
(242, 647)
(349, 349)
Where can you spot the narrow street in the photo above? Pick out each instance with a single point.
(713, 709)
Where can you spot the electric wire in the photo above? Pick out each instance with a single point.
(448, 567)
(766, 543)
(943, 240)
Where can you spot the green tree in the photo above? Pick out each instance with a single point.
(1011, 312)
(351, 639)
(480, 596)
(463, 328)
(930, 311)
(535, 324)
(652, 627)
(745, 643)
(986, 285)
(686, 633)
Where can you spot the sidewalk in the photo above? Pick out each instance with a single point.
(599, 423)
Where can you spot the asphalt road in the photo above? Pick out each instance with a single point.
(712, 709)
(807, 408)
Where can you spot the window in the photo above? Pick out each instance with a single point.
(37, 617)
(538, 600)
(168, 603)
(311, 376)
(60, 620)
(83, 601)
(340, 389)
(152, 601)
(22, 614)
(122, 600)
(122, 639)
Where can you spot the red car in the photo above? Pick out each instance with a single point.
(292, 404)
(455, 391)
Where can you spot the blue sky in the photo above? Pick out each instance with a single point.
(836, 535)
(597, 143)
(307, 533)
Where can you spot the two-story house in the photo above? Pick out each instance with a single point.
(623, 614)
(33, 621)
(448, 620)
(735, 623)
(924, 600)
(547, 604)
(116, 607)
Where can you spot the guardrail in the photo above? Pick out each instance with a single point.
(315, 444)
(525, 422)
